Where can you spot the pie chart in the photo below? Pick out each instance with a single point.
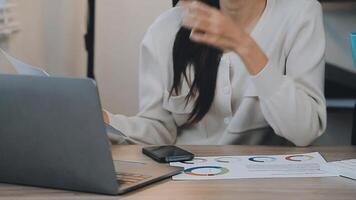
(262, 159)
(299, 158)
(206, 171)
(227, 160)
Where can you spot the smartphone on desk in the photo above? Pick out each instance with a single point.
(167, 154)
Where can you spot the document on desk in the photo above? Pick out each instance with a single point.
(256, 166)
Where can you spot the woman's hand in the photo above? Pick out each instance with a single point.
(106, 117)
(210, 26)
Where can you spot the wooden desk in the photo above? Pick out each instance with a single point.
(334, 188)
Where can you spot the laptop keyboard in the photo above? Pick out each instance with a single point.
(128, 178)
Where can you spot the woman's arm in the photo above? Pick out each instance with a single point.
(293, 104)
(153, 124)
(106, 117)
(212, 27)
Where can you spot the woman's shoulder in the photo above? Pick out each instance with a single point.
(166, 26)
(169, 19)
(294, 15)
(294, 8)
(160, 36)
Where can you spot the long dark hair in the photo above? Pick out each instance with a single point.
(205, 61)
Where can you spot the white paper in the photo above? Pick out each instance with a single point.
(345, 168)
(2, 3)
(113, 130)
(257, 166)
(23, 68)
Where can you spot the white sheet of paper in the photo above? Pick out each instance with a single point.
(256, 166)
(23, 68)
(2, 3)
(113, 130)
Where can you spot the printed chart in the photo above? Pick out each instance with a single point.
(255, 166)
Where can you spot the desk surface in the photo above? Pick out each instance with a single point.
(286, 188)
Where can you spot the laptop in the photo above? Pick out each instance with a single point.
(52, 135)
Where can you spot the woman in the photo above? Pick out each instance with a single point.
(231, 72)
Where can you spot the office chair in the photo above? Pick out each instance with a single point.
(353, 140)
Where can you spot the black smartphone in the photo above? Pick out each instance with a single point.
(166, 154)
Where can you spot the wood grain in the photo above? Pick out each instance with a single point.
(334, 188)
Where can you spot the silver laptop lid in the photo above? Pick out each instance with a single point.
(52, 134)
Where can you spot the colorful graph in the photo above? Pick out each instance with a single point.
(195, 161)
(262, 159)
(299, 158)
(227, 159)
(206, 171)
(252, 166)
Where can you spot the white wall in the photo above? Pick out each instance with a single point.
(121, 25)
(27, 44)
(51, 35)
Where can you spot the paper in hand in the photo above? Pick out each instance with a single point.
(113, 130)
(23, 68)
(2, 3)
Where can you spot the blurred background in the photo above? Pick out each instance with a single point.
(50, 34)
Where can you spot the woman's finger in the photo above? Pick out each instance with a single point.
(212, 40)
(197, 22)
(198, 7)
(204, 24)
